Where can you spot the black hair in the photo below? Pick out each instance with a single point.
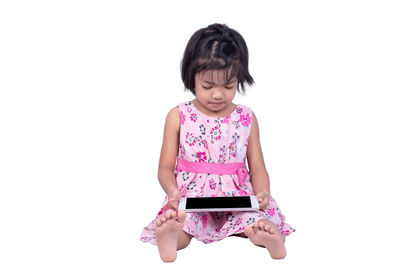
(216, 47)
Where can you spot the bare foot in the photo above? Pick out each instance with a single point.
(167, 230)
(265, 233)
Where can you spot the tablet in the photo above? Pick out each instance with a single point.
(210, 204)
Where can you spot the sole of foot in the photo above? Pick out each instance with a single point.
(167, 231)
(266, 234)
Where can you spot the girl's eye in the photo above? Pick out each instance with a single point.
(211, 87)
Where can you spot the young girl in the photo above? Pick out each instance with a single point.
(213, 131)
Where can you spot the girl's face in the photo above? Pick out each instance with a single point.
(215, 93)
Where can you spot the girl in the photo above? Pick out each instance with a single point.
(214, 131)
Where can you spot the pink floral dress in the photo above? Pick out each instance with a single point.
(217, 140)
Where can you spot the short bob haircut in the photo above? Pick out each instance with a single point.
(216, 47)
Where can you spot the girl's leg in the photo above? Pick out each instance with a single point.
(183, 240)
(266, 234)
(170, 236)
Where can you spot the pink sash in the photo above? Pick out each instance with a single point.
(215, 168)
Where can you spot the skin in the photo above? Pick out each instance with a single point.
(214, 98)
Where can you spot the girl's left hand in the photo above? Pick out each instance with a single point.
(263, 199)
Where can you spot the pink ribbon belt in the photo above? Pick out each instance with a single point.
(215, 168)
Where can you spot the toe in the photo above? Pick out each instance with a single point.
(181, 216)
(256, 226)
(248, 230)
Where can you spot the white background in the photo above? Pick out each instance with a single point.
(85, 87)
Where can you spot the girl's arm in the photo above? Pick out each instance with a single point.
(169, 152)
(258, 173)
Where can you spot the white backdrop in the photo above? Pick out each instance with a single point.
(85, 87)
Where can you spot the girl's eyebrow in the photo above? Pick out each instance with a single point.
(214, 83)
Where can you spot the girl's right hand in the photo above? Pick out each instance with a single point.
(173, 198)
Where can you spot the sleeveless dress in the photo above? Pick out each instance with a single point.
(217, 140)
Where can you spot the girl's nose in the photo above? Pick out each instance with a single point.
(217, 94)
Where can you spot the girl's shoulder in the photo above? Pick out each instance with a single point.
(187, 105)
(173, 119)
(244, 107)
(244, 110)
(176, 110)
(185, 109)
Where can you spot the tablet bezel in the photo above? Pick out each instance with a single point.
(253, 201)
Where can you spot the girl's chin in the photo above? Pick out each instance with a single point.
(216, 107)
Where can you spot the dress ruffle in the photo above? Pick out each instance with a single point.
(214, 226)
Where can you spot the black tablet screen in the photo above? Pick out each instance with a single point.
(218, 202)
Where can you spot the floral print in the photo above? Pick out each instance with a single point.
(217, 140)
(245, 120)
(271, 212)
(190, 139)
(213, 185)
(182, 117)
(202, 129)
(193, 117)
(215, 133)
(201, 156)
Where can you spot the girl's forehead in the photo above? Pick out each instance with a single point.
(215, 76)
